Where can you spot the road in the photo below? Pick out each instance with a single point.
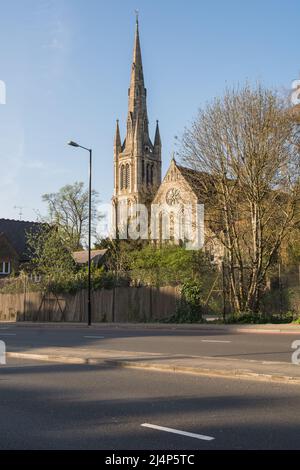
(50, 406)
(60, 406)
(266, 347)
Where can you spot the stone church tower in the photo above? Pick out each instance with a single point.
(137, 162)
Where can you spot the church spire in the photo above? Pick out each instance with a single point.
(117, 141)
(137, 161)
(157, 140)
(137, 106)
(138, 138)
(137, 66)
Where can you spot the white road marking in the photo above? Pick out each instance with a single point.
(92, 337)
(177, 431)
(214, 341)
(8, 334)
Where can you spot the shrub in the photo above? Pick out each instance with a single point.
(189, 308)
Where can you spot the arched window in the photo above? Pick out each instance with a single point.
(148, 176)
(122, 177)
(127, 176)
(143, 170)
(151, 174)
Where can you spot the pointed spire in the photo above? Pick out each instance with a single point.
(157, 140)
(138, 138)
(137, 91)
(117, 141)
(137, 66)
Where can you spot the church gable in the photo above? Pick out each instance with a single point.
(175, 188)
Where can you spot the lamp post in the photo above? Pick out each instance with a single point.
(74, 144)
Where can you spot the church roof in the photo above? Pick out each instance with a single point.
(202, 183)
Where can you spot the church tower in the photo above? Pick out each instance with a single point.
(137, 162)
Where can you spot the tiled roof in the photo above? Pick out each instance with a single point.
(16, 233)
(81, 257)
(201, 183)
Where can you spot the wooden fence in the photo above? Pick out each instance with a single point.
(121, 304)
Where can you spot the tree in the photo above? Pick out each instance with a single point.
(119, 256)
(249, 147)
(68, 209)
(169, 264)
(48, 253)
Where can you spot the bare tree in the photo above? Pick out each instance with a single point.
(68, 209)
(249, 147)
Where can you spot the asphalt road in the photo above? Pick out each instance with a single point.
(267, 347)
(51, 406)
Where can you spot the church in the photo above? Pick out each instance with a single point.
(137, 174)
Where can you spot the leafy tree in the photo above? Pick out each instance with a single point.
(169, 264)
(290, 249)
(141, 262)
(68, 209)
(49, 255)
(119, 257)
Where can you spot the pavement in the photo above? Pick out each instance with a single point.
(142, 387)
(230, 368)
(214, 350)
(290, 328)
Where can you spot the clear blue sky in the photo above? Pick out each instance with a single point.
(66, 65)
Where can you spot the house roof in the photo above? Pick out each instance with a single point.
(16, 233)
(81, 257)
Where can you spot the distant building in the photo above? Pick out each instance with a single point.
(97, 257)
(13, 244)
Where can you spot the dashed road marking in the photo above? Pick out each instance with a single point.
(214, 341)
(177, 431)
(94, 337)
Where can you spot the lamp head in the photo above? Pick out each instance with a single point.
(73, 144)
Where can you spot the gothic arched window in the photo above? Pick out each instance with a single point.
(148, 173)
(122, 177)
(151, 174)
(143, 170)
(127, 176)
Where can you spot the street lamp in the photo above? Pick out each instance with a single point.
(74, 144)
